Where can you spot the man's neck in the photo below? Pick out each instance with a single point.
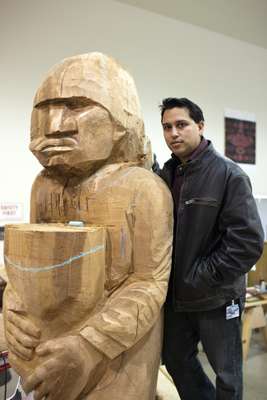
(199, 148)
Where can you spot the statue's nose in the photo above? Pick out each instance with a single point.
(60, 120)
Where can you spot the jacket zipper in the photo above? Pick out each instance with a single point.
(202, 201)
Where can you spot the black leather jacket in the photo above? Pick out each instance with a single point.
(218, 235)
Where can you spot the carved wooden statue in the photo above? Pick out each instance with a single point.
(83, 304)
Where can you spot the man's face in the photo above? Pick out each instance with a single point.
(71, 133)
(182, 134)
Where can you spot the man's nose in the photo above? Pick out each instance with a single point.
(59, 120)
(174, 131)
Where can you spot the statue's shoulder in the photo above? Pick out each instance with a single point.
(43, 176)
(45, 181)
(141, 179)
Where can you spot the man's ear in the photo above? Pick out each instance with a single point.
(201, 126)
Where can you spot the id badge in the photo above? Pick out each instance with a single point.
(232, 311)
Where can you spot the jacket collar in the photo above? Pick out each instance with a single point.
(173, 162)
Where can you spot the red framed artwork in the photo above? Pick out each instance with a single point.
(240, 140)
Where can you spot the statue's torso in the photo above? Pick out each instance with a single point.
(108, 198)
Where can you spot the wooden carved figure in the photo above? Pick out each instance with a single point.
(83, 304)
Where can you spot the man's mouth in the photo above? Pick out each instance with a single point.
(177, 142)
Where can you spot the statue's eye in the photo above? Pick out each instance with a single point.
(75, 105)
(78, 105)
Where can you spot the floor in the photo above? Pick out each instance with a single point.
(255, 374)
(255, 377)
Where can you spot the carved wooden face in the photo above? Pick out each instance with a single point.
(71, 134)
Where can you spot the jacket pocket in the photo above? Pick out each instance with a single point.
(202, 201)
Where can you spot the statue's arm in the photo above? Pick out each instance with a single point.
(132, 310)
(21, 334)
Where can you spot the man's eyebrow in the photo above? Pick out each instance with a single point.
(175, 122)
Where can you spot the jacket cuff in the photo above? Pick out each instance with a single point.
(102, 343)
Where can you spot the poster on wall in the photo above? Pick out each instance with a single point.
(10, 212)
(240, 136)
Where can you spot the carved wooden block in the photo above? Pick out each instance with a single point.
(57, 273)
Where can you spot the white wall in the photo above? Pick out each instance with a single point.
(166, 58)
(262, 208)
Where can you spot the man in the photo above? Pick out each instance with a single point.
(217, 239)
(88, 133)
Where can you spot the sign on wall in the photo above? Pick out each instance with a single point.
(240, 137)
(11, 211)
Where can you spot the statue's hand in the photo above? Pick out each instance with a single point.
(69, 366)
(22, 335)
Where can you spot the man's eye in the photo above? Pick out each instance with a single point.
(181, 125)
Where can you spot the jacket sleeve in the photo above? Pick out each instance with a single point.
(241, 235)
(130, 312)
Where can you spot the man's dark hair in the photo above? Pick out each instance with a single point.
(194, 110)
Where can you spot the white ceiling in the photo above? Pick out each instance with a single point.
(241, 19)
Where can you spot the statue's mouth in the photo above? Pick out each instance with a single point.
(57, 145)
(56, 149)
